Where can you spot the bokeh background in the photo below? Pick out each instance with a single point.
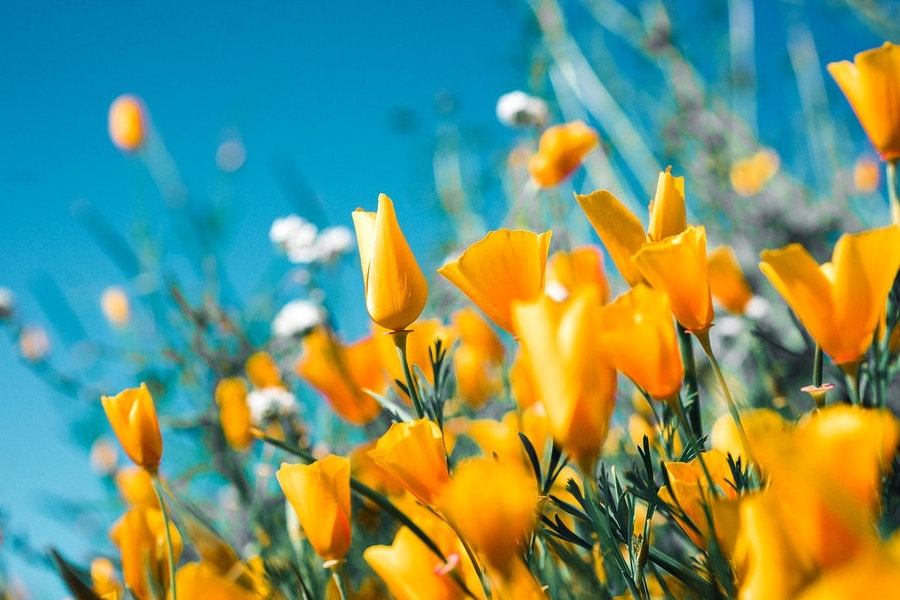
(315, 108)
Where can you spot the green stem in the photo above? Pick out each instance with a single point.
(892, 191)
(817, 367)
(338, 580)
(694, 442)
(472, 558)
(157, 484)
(383, 503)
(400, 341)
(690, 381)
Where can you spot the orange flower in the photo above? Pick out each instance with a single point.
(103, 578)
(263, 371)
(414, 454)
(127, 123)
(577, 381)
(749, 175)
(567, 271)
(136, 487)
(234, 413)
(505, 266)
(478, 360)
(727, 283)
(840, 303)
(493, 505)
(197, 581)
(140, 535)
(320, 496)
(133, 418)
(422, 336)
(866, 175)
(342, 373)
(621, 231)
(638, 328)
(396, 289)
(871, 84)
(560, 152)
(677, 265)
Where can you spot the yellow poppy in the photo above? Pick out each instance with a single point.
(639, 330)
(577, 381)
(127, 122)
(677, 266)
(413, 453)
(132, 415)
(567, 271)
(668, 215)
(749, 175)
(478, 360)
(423, 334)
(343, 373)
(136, 487)
(727, 283)
(320, 496)
(561, 150)
(840, 303)
(198, 581)
(234, 412)
(103, 578)
(395, 287)
(503, 267)
(871, 84)
(140, 536)
(263, 371)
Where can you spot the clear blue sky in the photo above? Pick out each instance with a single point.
(306, 81)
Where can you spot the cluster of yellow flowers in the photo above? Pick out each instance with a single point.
(762, 508)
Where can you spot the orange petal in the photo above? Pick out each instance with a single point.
(620, 231)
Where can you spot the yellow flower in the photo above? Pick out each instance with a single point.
(749, 175)
(866, 175)
(493, 505)
(127, 123)
(574, 375)
(561, 150)
(727, 283)
(133, 418)
(638, 328)
(522, 382)
(396, 289)
(234, 412)
(140, 535)
(197, 581)
(320, 496)
(103, 578)
(422, 336)
(622, 232)
(688, 490)
(263, 371)
(413, 453)
(136, 487)
(840, 303)
(505, 266)
(411, 570)
(499, 439)
(343, 373)
(568, 271)
(478, 360)
(115, 305)
(871, 84)
(677, 265)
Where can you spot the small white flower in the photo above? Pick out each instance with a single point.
(7, 303)
(297, 317)
(518, 108)
(296, 237)
(333, 242)
(270, 403)
(757, 308)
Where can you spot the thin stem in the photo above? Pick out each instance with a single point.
(690, 380)
(694, 442)
(817, 367)
(400, 341)
(157, 484)
(892, 191)
(471, 554)
(338, 580)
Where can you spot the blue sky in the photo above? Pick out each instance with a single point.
(303, 82)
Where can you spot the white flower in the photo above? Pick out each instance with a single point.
(332, 242)
(757, 308)
(7, 303)
(296, 317)
(269, 403)
(518, 108)
(295, 236)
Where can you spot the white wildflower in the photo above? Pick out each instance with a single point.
(271, 402)
(297, 317)
(333, 242)
(518, 108)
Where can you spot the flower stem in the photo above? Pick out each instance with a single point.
(400, 341)
(892, 191)
(690, 380)
(157, 484)
(336, 574)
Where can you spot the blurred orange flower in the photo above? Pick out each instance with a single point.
(478, 360)
(127, 121)
(140, 535)
(263, 371)
(234, 412)
(727, 283)
(749, 175)
(568, 271)
(561, 150)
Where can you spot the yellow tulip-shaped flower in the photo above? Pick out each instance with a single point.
(343, 373)
(561, 150)
(396, 289)
(320, 496)
(133, 418)
(127, 123)
(622, 232)
(840, 303)
(638, 328)
(493, 505)
(567, 271)
(141, 538)
(727, 283)
(872, 85)
(505, 266)
(478, 360)
(411, 570)
(198, 581)
(413, 453)
(234, 412)
(677, 265)
(574, 374)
